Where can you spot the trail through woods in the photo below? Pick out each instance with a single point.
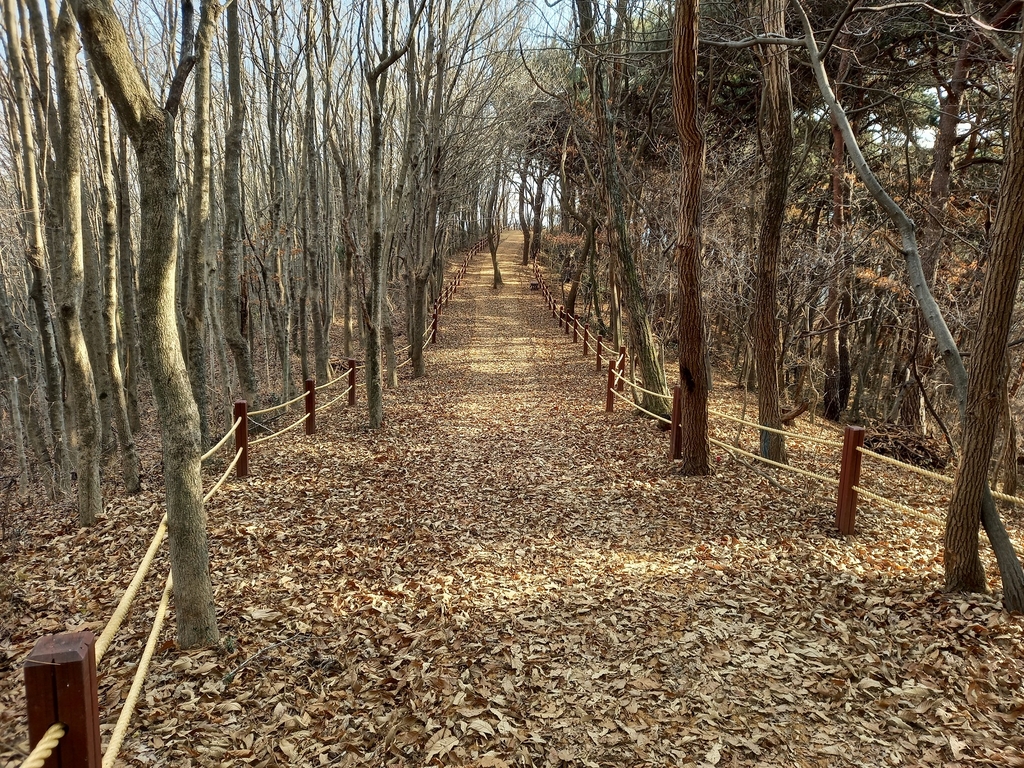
(505, 575)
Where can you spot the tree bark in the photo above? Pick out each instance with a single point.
(81, 386)
(234, 311)
(128, 291)
(151, 129)
(777, 119)
(963, 568)
(693, 375)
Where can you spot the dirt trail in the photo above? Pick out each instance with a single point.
(506, 575)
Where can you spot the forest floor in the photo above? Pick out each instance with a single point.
(504, 575)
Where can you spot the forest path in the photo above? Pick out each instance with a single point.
(505, 575)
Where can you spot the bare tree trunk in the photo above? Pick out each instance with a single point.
(777, 119)
(234, 312)
(693, 376)
(81, 386)
(199, 219)
(108, 204)
(151, 128)
(128, 294)
(36, 248)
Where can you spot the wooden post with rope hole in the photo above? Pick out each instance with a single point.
(241, 415)
(60, 687)
(622, 368)
(586, 339)
(600, 341)
(310, 407)
(433, 327)
(575, 329)
(675, 437)
(351, 381)
(849, 476)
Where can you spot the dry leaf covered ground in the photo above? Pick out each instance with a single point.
(506, 576)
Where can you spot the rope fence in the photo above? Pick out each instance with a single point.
(849, 452)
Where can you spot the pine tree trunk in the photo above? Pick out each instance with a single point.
(777, 119)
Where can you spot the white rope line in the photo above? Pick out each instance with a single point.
(787, 433)
(124, 719)
(280, 432)
(223, 440)
(1006, 497)
(779, 465)
(125, 603)
(219, 483)
(44, 747)
(330, 383)
(638, 388)
(640, 408)
(898, 506)
(903, 465)
(323, 408)
(402, 365)
(278, 407)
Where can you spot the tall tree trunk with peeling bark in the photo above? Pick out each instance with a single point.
(151, 129)
(777, 119)
(693, 374)
(81, 387)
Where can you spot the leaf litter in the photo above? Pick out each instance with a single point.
(503, 575)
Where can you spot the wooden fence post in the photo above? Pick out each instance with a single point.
(561, 316)
(60, 687)
(351, 381)
(849, 476)
(600, 341)
(586, 339)
(622, 368)
(609, 398)
(575, 329)
(433, 327)
(241, 415)
(675, 438)
(310, 407)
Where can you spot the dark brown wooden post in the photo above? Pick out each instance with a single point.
(561, 316)
(310, 407)
(554, 311)
(586, 339)
(60, 687)
(575, 329)
(675, 439)
(242, 438)
(433, 327)
(622, 368)
(849, 476)
(600, 341)
(351, 381)
(609, 398)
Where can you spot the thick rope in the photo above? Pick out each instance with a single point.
(330, 383)
(638, 388)
(795, 470)
(44, 747)
(402, 365)
(278, 407)
(903, 465)
(124, 719)
(795, 435)
(222, 441)
(633, 404)
(323, 408)
(107, 637)
(219, 483)
(280, 432)
(898, 506)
